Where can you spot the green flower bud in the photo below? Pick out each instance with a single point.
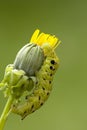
(29, 59)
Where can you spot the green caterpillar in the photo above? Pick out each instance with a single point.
(42, 86)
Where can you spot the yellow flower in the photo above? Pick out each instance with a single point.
(42, 38)
(28, 56)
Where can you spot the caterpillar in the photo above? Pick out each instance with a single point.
(42, 86)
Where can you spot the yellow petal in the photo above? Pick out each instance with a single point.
(42, 38)
(34, 36)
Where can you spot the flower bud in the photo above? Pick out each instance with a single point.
(29, 59)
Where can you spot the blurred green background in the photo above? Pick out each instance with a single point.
(66, 109)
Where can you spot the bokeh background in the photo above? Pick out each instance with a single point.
(66, 108)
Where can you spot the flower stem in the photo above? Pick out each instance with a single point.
(5, 112)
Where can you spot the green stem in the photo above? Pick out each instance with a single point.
(5, 112)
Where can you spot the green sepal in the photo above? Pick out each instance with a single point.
(16, 82)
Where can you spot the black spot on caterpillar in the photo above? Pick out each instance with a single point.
(42, 87)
